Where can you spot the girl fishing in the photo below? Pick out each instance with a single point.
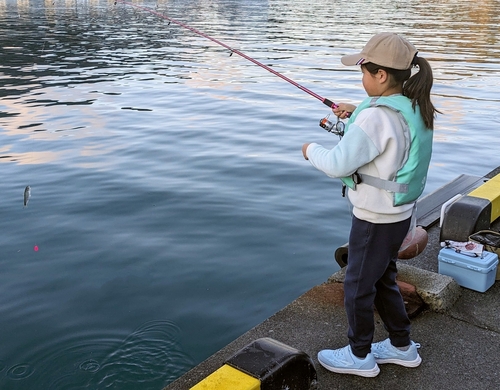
(383, 160)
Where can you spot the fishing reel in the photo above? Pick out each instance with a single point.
(336, 128)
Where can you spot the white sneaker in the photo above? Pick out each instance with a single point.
(385, 352)
(343, 361)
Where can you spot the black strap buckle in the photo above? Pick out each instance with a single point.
(356, 178)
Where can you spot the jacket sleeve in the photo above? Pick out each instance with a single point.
(353, 151)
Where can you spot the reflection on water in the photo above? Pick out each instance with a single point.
(169, 194)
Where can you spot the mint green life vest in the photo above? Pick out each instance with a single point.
(409, 182)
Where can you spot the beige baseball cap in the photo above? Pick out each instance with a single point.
(384, 49)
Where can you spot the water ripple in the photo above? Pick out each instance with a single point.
(149, 355)
(20, 371)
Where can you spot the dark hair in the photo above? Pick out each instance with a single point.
(417, 87)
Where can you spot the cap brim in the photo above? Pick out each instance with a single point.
(353, 59)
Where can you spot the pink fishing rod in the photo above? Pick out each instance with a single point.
(325, 101)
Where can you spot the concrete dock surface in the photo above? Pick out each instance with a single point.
(459, 332)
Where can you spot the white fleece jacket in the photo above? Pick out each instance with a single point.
(376, 144)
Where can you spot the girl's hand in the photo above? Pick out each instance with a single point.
(304, 151)
(344, 110)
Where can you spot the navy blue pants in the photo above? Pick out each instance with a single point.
(371, 280)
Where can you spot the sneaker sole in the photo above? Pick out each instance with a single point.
(404, 363)
(353, 371)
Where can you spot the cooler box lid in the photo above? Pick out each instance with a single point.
(483, 264)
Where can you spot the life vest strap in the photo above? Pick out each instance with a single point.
(387, 185)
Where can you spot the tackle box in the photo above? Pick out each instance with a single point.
(476, 273)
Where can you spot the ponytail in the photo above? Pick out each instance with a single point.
(418, 89)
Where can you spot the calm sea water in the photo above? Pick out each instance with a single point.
(171, 209)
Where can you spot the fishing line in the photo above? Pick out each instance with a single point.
(325, 101)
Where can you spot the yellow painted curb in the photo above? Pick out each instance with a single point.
(228, 378)
(490, 191)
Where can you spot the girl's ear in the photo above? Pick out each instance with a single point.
(382, 76)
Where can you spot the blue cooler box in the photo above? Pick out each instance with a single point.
(476, 273)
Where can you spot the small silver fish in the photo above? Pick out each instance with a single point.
(27, 195)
